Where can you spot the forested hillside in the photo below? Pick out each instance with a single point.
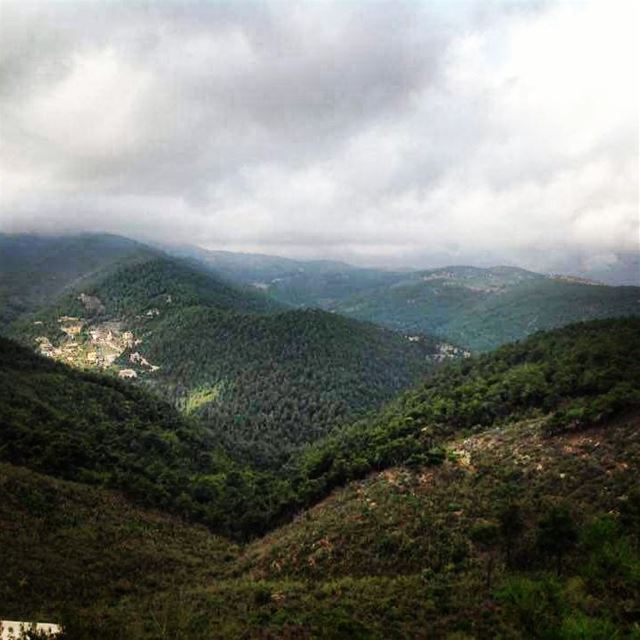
(98, 430)
(476, 308)
(306, 283)
(66, 545)
(569, 378)
(483, 308)
(503, 487)
(267, 380)
(35, 269)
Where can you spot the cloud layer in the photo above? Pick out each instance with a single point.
(389, 132)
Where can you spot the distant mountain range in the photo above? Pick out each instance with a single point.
(476, 308)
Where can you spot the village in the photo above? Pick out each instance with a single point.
(87, 345)
(16, 630)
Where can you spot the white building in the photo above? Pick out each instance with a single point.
(13, 629)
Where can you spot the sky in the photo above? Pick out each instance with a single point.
(398, 134)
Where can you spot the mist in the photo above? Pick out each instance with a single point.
(398, 134)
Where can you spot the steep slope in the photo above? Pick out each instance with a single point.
(266, 380)
(478, 540)
(573, 377)
(483, 308)
(98, 430)
(66, 545)
(34, 270)
(409, 518)
(498, 497)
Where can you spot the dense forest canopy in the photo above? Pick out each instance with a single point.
(478, 308)
(573, 377)
(266, 380)
(500, 484)
(35, 270)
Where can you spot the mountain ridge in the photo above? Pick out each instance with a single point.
(267, 379)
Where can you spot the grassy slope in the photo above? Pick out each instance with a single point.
(403, 520)
(574, 377)
(394, 555)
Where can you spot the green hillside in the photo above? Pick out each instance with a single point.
(266, 380)
(66, 545)
(98, 430)
(483, 308)
(34, 270)
(476, 308)
(498, 497)
(301, 283)
(570, 378)
(515, 534)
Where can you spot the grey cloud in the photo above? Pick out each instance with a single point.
(390, 132)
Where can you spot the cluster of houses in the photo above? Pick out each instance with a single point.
(15, 629)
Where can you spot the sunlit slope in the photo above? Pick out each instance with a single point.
(463, 549)
(452, 499)
(95, 429)
(578, 375)
(408, 519)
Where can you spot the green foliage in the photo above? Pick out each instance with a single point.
(34, 270)
(98, 430)
(484, 308)
(539, 376)
(266, 381)
(67, 543)
(557, 533)
(512, 526)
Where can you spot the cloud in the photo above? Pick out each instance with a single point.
(392, 132)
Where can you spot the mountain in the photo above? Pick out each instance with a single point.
(483, 308)
(35, 269)
(479, 309)
(307, 283)
(89, 428)
(266, 379)
(569, 378)
(496, 497)
(515, 534)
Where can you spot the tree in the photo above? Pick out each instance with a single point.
(486, 536)
(557, 534)
(511, 528)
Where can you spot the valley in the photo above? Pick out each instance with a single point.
(319, 320)
(182, 456)
(266, 378)
(422, 511)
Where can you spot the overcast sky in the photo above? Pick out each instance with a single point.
(398, 133)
